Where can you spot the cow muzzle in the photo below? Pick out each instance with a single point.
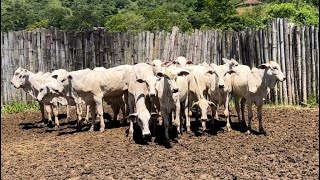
(221, 86)
(175, 90)
(147, 137)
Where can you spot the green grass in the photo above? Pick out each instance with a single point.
(16, 107)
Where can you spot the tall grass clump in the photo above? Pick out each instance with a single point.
(16, 107)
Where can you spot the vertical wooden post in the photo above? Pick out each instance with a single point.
(316, 38)
(287, 61)
(303, 65)
(274, 55)
(313, 65)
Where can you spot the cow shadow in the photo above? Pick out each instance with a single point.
(40, 124)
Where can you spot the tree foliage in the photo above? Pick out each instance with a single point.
(152, 15)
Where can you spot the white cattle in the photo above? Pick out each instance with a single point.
(93, 86)
(167, 93)
(116, 102)
(252, 86)
(220, 87)
(138, 98)
(32, 83)
(15, 81)
(199, 85)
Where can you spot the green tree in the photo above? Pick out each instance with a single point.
(125, 21)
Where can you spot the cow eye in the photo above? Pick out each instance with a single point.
(41, 90)
(20, 76)
(63, 80)
(275, 68)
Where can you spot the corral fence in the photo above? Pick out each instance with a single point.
(296, 48)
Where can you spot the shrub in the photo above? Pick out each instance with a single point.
(16, 107)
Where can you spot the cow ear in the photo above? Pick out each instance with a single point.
(54, 90)
(212, 104)
(141, 81)
(213, 65)
(160, 74)
(183, 73)
(264, 66)
(195, 105)
(150, 63)
(231, 71)
(225, 60)
(69, 77)
(189, 62)
(55, 76)
(154, 115)
(210, 72)
(132, 116)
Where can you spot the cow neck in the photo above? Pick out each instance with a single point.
(262, 79)
(140, 102)
(164, 93)
(32, 85)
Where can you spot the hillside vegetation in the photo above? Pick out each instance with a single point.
(152, 15)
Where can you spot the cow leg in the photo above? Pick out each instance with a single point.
(126, 100)
(56, 114)
(237, 106)
(166, 129)
(116, 109)
(177, 120)
(250, 115)
(130, 135)
(49, 110)
(93, 115)
(186, 114)
(98, 101)
(226, 113)
(259, 111)
(79, 112)
(123, 109)
(87, 113)
(243, 106)
(43, 119)
(68, 112)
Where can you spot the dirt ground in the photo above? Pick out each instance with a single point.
(290, 151)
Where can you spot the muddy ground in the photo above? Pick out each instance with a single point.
(290, 151)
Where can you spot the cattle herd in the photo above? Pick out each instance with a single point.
(156, 93)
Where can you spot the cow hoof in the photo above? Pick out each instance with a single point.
(167, 145)
(130, 138)
(56, 128)
(248, 132)
(229, 129)
(91, 129)
(101, 129)
(175, 140)
(42, 124)
(265, 133)
(50, 124)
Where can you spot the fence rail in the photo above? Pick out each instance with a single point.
(296, 48)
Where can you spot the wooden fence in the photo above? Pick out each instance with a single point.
(296, 48)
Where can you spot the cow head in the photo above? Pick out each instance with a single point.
(46, 89)
(19, 78)
(203, 105)
(170, 77)
(273, 72)
(220, 74)
(142, 118)
(182, 62)
(151, 82)
(63, 83)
